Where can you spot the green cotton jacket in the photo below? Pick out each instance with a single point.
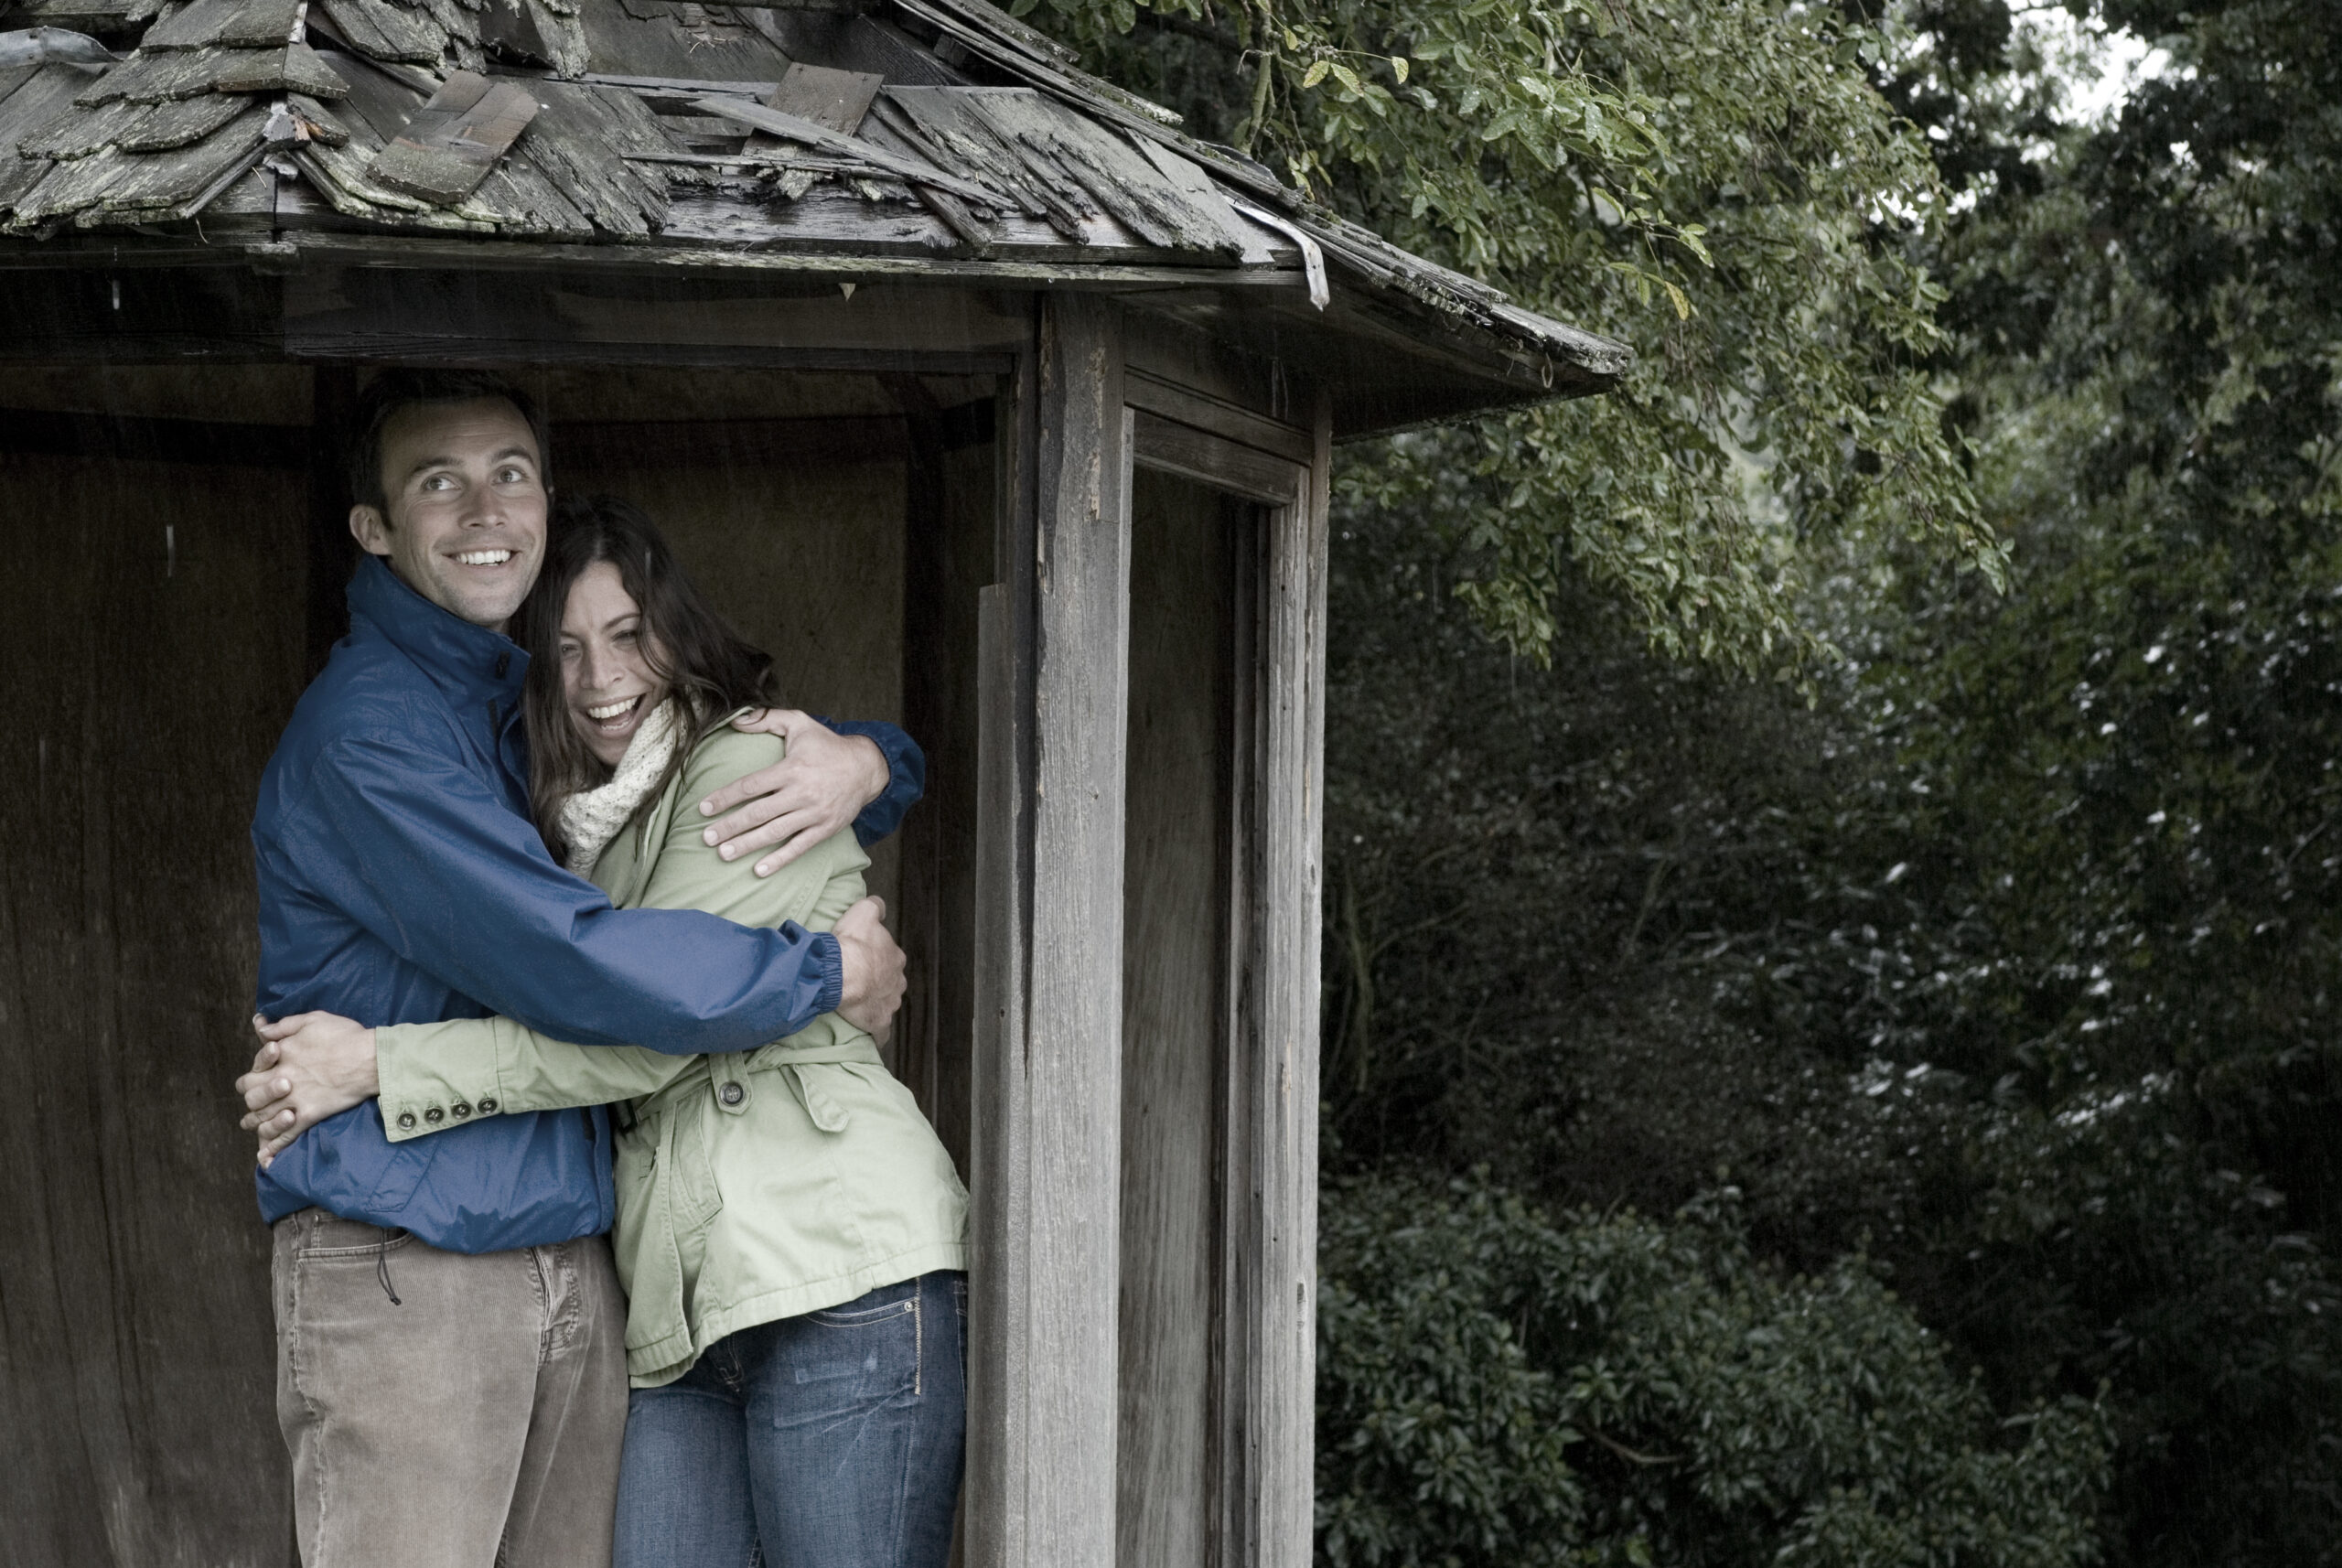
(751, 1186)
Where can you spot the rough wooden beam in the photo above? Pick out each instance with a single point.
(1153, 392)
(453, 140)
(999, 1191)
(999, 1188)
(1072, 1085)
(1280, 1417)
(1171, 447)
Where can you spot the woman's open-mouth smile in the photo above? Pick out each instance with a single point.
(616, 718)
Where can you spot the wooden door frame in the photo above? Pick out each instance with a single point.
(1268, 1265)
(1045, 1133)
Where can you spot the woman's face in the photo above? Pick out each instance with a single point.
(609, 679)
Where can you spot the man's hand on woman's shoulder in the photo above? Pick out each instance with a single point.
(817, 789)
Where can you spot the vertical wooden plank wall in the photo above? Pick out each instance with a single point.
(1047, 1169)
(155, 639)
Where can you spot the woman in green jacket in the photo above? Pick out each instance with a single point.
(791, 1232)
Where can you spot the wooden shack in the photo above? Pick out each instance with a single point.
(975, 390)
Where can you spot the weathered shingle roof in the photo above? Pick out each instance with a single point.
(910, 129)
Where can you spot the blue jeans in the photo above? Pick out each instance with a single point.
(831, 1440)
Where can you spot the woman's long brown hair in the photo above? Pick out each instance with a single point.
(709, 667)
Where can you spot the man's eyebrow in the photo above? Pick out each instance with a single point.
(446, 460)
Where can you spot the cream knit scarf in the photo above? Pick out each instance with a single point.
(591, 818)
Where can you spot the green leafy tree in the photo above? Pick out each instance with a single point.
(2008, 965)
(1721, 186)
(2122, 782)
(1505, 1387)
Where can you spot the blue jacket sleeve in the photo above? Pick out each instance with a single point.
(423, 853)
(906, 778)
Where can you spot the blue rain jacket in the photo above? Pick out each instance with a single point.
(402, 882)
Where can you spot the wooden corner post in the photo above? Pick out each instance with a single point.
(1272, 1154)
(1041, 1478)
(1283, 1397)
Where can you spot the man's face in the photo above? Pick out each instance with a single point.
(467, 521)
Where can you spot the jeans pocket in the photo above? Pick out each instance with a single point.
(859, 1314)
(862, 1353)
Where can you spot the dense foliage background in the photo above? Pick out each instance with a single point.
(1835, 898)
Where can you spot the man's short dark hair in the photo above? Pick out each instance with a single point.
(394, 390)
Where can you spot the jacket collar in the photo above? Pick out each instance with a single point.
(470, 663)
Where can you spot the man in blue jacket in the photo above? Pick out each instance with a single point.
(450, 1332)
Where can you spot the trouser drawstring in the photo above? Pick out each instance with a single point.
(382, 1270)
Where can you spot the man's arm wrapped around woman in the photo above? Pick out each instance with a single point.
(494, 1065)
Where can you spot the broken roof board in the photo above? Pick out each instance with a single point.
(984, 154)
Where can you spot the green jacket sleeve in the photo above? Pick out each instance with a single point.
(492, 1065)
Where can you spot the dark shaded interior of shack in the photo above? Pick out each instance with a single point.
(175, 551)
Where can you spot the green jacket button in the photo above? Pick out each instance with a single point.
(406, 1120)
(460, 1109)
(435, 1115)
(487, 1105)
(730, 1094)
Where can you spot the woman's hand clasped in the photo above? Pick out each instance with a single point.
(310, 1066)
